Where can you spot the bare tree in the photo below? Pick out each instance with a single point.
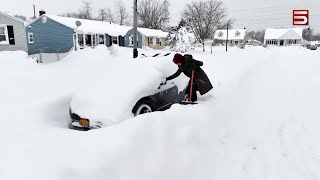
(122, 12)
(86, 11)
(109, 16)
(260, 35)
(21, 17)
(307, 33)
(102, 14)
(205, 17)
(257, 35)
(153, 14)
(71, 14)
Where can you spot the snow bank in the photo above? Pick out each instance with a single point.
(260, 121)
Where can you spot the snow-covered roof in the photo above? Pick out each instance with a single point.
(92, 26)
(152, 32)
(100, 27)
(289, 33)
(89, 26)
(233, 34)
(12, 17)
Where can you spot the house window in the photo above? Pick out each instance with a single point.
(131, 40)
(3, 35)
(80, 39)
(220, 34)
(272, 42)
(114, 39)
(150, 41)
(292, 41)
(158, 41)
(30, 38)
(237, 34)
(101, 39)
(88, 40)
(6, 35)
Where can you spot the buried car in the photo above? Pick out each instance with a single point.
(157, 100)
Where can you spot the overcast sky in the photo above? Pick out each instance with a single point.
(251, 14)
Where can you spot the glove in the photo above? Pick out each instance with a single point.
(164, 81)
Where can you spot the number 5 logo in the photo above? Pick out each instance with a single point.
(300, 17)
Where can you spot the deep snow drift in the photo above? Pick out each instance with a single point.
(261, 120)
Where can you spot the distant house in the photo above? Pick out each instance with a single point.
(153, 38)
(123, 36)
(12, 33)
(234, 36)
(283, 37)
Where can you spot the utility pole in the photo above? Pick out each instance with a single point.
(135, 23)
(309, 34)
(227, 36)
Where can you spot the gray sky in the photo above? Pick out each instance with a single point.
(252, 14)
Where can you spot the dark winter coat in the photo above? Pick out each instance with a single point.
(200, 78)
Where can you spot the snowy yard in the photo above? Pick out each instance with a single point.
(261, 120)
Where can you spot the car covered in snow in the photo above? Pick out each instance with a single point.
(249, 45)
(313, 47)
(162, 98)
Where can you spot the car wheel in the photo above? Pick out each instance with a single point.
(143, 109)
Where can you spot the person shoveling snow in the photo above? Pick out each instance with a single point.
(199, 81)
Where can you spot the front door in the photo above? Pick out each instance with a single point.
(281, 42)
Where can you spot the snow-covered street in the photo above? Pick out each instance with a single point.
(261, 120)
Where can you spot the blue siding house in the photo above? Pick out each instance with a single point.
(128, 39)
(48, 36)
(55, 34)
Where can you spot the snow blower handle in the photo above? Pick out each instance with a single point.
(191, 86)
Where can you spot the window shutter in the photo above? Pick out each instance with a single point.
(11, 35)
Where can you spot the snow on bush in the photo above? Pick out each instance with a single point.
(182, 41)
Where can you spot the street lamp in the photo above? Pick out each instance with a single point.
(227, 35)
(135, 22)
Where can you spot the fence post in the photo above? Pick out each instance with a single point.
(58, 57)
(40, 53)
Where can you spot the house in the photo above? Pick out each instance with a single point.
(12, 33)
(283, 37)
(234, 36)
(123, 36)
(153, 38)
(55, 34)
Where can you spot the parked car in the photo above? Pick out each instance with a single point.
(313, 47)
(241, 46)
(249, 45)
(162, 99)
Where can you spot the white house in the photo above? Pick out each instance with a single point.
(153, 38)
(283, 37)
(12, 33)
(234, 36)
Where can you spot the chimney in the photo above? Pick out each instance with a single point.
(42, 12)
(34, 11)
